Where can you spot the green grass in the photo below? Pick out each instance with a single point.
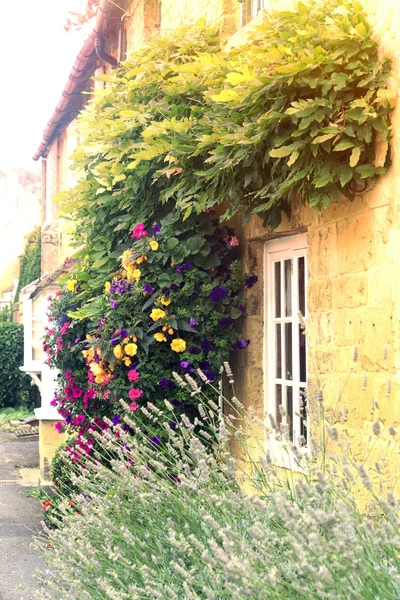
(14, 414)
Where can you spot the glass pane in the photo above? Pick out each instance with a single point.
(288, 287)
(278, 351)
(278, 397)
(302, 356)
(302, 286)
(288, 351)
(303, 416)
(277, 289)
(289, 409)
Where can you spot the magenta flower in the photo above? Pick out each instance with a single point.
(139, 231)
(134, 393)
(78, 420)
(133, 406)
(59, 427)
(133, 375)
(68, 374)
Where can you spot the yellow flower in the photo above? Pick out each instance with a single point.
(118, 352)
(154, 245)
(131, 349)
(136, 274)
(71, 285)
(171, 331)
(140, 260)
(107, 287)
(96, 369)
(160, 337)
(127, 361)
(165, 301)
(157, 313)
(126, 255)
(178, 345)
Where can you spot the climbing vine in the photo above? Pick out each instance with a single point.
(180, 129)
(30, 262)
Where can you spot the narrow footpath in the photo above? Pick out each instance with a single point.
(20, 518)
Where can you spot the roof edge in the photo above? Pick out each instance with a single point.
(82, 71)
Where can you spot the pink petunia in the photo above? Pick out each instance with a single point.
(139, 231)
(133, 375)
(78, 420)
(133, 406)
(134, 393)
(59, 427)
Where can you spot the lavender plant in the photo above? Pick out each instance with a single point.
(181, 519)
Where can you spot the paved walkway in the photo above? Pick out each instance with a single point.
(20, 518)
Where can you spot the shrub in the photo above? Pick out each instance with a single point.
(173, 521)
(61, 472)
(14, 385)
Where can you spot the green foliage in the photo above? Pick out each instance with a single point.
(30, 262)
(296, 112)
(13, 383)
(6, 315)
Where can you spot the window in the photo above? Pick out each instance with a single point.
(286, 352)
(251, 8)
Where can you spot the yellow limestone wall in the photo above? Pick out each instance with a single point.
(354, 282)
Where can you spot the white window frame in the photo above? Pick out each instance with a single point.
(256, 7)
(279, 250)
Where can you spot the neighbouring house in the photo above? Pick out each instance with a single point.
(340, 267)
(20, 214)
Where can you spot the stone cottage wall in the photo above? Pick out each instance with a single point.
(354, 282)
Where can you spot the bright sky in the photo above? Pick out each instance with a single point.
(36, 58)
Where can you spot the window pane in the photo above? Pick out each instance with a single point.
(289, 409)
(302, 356)
(288, 287)
(277, 289)
(278, 398)
(288, 351)
(278, 351)
(302, 286)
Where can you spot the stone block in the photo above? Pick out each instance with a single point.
(350, 291)
(355, 243)
(49, 441)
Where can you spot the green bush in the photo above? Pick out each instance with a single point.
(14, 385)
(30, 262)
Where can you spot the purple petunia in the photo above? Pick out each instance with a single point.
(166, 383)
(241, 308)
(113, 304)
(225, 323)
(148, 288)
(193, 322)
(116, 419)
(194, 350)
(206, 345)
(184, 267)
(250, 281)
(113, 288)
(242, 344)
(186, 366)
(173, 425)
(156, 229)
(218, 293)
(155, 440)
(174, 288)
(210, 376)
(204, 365)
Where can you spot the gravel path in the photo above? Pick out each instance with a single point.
(20, 518)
